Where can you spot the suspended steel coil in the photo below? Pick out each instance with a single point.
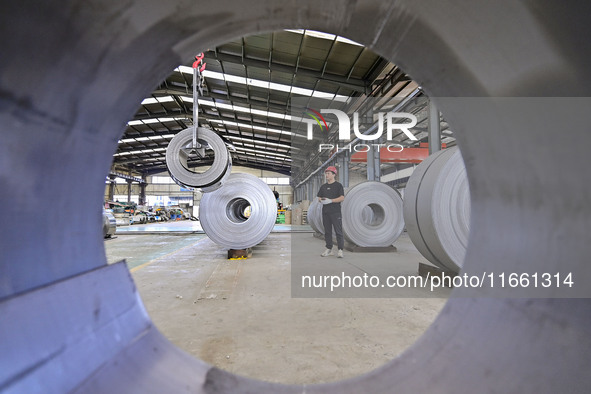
(372, 215)
(177, 156)
(240, 214)
(437, 209)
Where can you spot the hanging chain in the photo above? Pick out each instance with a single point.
(197, 91)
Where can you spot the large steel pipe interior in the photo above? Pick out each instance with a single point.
(72, 75)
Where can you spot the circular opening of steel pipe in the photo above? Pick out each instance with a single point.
(529, 201)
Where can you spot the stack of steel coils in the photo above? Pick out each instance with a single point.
(437, 209)
(240, 214)
(237, 211)
(177, 155)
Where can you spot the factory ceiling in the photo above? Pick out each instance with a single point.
(249, 87)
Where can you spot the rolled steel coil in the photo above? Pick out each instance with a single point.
(224, 217)
(315, 216)
(177, 157)
(372, 215)
(109, 224)
(437, 209)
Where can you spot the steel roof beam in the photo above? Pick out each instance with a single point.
(357, 85)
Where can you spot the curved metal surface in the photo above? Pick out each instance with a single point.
(315, 216)
(529, 207)
(410, 204)
(437, 209)
(109, 224)
(177, 156)
(372, 215)
(450, 209)
(224, 217)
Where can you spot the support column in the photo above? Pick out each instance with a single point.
(129, 190)
(373, 163)
(317, 184)
(434, 136)
(143, 191)
(344, 170)
(112, 187)
(373, 154)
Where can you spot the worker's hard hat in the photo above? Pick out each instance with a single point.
(332, 169)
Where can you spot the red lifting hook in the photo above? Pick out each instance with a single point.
(199, 59)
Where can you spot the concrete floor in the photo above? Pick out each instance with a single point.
(240, 314)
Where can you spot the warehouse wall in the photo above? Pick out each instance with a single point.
(356, 177)
(174, 190)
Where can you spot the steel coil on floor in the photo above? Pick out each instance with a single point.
(315, 216)
(224, 217)
(109, 224)
(177, 157)
(372, 215)
(437, 209)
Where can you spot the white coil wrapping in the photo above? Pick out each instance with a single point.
(315, 216)
(437, 209)
(222, 212)
(372, 215)
(176, 160)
